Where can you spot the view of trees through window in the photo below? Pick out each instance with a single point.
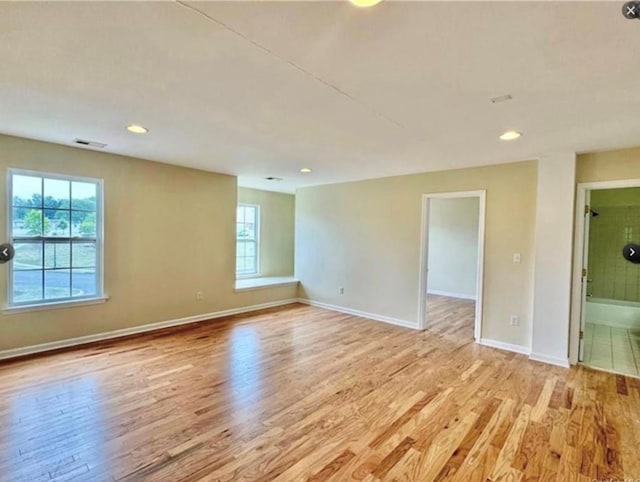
(54, 232)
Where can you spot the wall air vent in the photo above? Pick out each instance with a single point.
(82, 142)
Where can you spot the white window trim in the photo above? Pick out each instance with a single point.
(100, 296)
(55, 305)
(257, 241)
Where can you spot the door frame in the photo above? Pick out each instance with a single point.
(578, 257)
(584, 265)
(424, 255)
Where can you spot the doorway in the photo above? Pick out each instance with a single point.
(607, 310)
(451, 262)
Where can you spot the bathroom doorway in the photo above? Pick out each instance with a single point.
(609, 337)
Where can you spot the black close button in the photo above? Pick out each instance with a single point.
(631, 10)
(631, 252)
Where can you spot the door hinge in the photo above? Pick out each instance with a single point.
(587, 208)
(584, 272)
(581, 335)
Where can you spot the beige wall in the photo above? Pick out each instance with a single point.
(365, 236)
(608, 165)
(453, 246)
(169, 232)
(276, 229)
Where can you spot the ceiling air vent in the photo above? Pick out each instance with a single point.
(502, 98)
(271, 178)
(83, 142)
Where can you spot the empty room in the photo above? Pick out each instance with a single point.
(369, 240)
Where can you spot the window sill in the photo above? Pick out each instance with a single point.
(10, 310)
(266, 282)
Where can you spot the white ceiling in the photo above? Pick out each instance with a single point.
(260, 89)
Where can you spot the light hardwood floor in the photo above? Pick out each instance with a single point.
(300, 393)
(454, 316)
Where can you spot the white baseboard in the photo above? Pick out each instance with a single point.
(82, 340)
(552, 360)
(451, 294)
(523, 350)
(363, 314)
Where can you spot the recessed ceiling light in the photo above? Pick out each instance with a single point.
(305, 170)
(365, 3)
(136, 129)
(510, 135)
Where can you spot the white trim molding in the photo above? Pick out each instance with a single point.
(551, 360)
(501, 345)
(451, 294)
(83, 340)
(134, 330)
(363, 314)
(55, 305)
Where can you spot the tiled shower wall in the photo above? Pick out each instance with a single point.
(613, 276)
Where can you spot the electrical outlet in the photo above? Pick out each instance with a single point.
(516, 257)
(199, 295)
(515, 321)
(341, 290)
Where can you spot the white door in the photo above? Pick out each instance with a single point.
(585, 274)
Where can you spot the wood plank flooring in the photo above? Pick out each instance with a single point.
(455, 316)
(299, 393)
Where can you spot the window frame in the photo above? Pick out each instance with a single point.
(70, 300)
(256, 274)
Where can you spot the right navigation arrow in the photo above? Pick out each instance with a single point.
(631, 252)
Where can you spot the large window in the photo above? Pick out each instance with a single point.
(55, 225)
(247, 240)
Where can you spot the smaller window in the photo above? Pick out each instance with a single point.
(247, 240)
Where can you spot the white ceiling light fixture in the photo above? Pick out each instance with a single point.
(136, 129)
(305, 170)
(365, 3)
(510, 135)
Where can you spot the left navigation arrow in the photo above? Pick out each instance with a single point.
(6, 252)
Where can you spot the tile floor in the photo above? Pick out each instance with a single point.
(612, 349)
